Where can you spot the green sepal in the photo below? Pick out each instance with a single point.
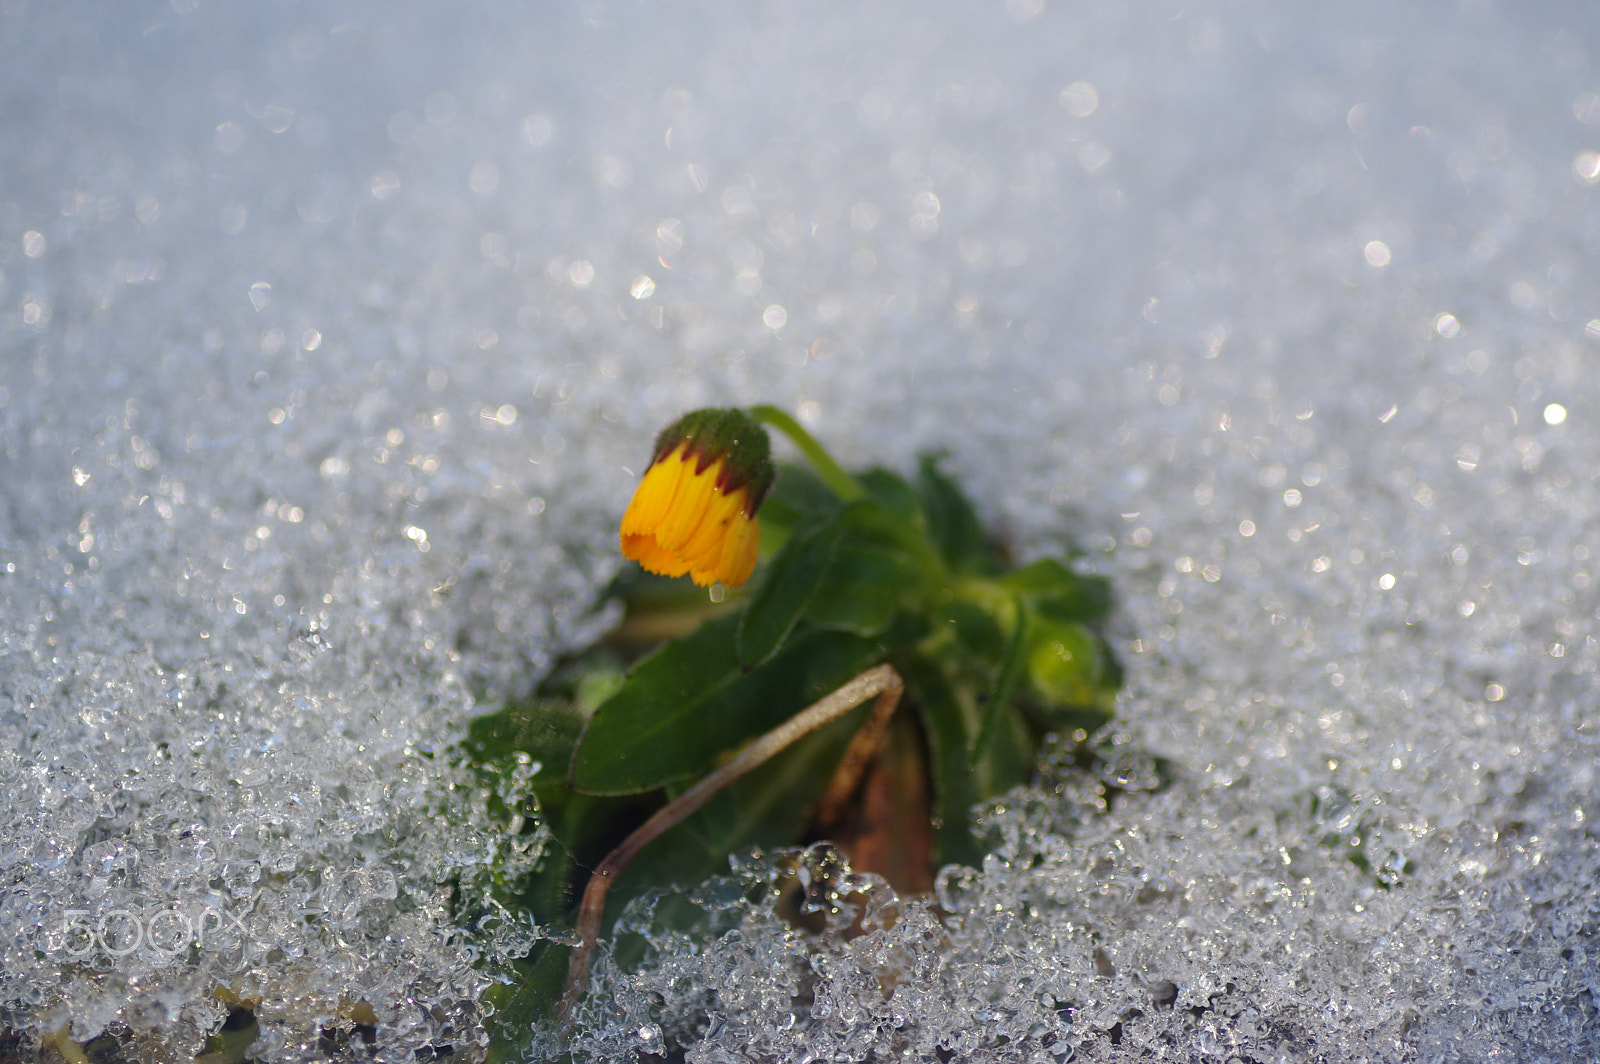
(732, 435)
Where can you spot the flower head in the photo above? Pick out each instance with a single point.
(695, 509)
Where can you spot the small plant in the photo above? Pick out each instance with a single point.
(731, 719)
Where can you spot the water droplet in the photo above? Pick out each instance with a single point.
(484, 178)
(1080, 99)
(1586, 167)
(536, 130)
(229, 137)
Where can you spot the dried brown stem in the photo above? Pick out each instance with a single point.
(864, 745)
(881, 681)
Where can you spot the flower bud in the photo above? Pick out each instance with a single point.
(695, 508)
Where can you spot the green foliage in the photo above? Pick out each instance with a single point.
(862, 589)
(952, 522)
(676, 712)
(517, 1008)
(872, 570)
(789, 585)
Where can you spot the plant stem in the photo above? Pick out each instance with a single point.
(865, 744)
(845, 486)
(842, 483)
(881, 681)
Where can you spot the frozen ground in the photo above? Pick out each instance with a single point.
(329, 334)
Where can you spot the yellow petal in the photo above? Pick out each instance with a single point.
(654, 496)
(649, 554)
(734, 558)
(704, 547)
(740, 551)
(679, 522)
(688, 508)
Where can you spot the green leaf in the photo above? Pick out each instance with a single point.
(690, 701)
(1064, 664)
(615, 755)
(1057, 591)
(679, 857)
(768, 808)
(773, 806)
(863, 587)
(947, 725)
(517, 1009)
(787, 588)
(891, 491)
(952, 522)
(974, 630)
(797, 498)
(998, 699)
(547, 730)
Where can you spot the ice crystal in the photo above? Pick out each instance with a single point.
(327, 336)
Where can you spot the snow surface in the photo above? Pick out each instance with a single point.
(331, 337)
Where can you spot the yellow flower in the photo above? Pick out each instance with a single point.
(695, 509)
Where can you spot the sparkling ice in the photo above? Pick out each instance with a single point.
(332, 338)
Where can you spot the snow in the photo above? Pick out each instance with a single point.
(332, 337)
